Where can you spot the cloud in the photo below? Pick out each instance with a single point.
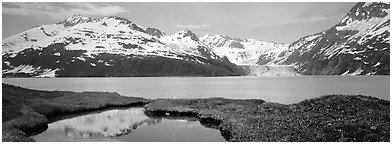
(60, 10)
(191, 26)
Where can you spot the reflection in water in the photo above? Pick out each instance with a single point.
(127, 125)
(108, 123)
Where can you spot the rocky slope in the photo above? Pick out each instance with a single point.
(357, 45)
(238, 51)
(109, 46)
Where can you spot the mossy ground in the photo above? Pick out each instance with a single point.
(25, 110)
(327, 118)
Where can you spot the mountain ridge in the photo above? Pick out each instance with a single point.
(238, 51)
(104, 46)
(357, 45)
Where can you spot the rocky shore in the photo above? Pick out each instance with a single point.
(327, 118)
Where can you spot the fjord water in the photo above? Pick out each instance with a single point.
(127, 125)
(284, 90)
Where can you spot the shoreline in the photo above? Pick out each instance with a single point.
(234, 76)
(26, 111)
(325, 118)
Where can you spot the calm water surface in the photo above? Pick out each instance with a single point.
(127, 125)
(274, 89)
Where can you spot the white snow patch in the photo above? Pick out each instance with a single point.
(28, 69)
(357, 58)
(367, 4)
(344, 19)
(81, 58)
(311, 37)
(339, 28)
(93, 64)
(357, 72)
(377, 64)
(7, 63)
(107, 64)
(371, 73)
(346, 73)
(48, 73)
(23, 69)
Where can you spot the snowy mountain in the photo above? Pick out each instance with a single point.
(357, 45)
(189, 42)
(238, 51)
(109, 46)
(114, 46)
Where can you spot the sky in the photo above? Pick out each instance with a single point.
(281, 22)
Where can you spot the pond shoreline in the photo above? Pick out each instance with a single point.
(326, 118)
(27, 111)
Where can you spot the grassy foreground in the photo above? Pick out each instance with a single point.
(327, 118)
(25, 111)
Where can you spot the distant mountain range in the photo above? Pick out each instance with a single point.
(115, 47)
(109, 46)
(238, 51)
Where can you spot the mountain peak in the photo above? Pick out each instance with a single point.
(123, 20)
(365, 11)
(185, 33)
(221, 36)
(75, 19)
(154, 32)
